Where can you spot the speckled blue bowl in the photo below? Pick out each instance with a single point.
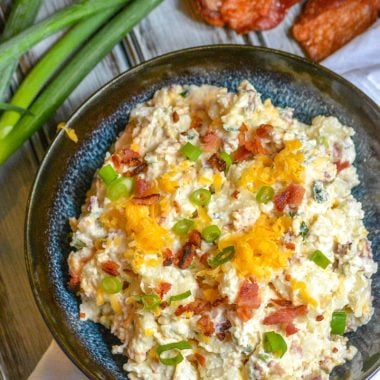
(68, 169)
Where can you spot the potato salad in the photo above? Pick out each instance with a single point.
(220, 240)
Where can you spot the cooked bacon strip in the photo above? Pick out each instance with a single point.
(285, 315)
(326, 25)
(247, 300)
(211, 141)
(244, 15)
(205, 325)
(163, 288)
(217, 163)
(142, 187)
(291, 196)
(110, 267)
(198, 306)
(185, 255)
(195, 238)
(147, 200)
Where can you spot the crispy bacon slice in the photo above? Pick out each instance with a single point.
(198, 306)
(326, 25)
(110, 267)
(205, 325)
(285, 315)
(211, 141)
(147, 200)
(244, 15)
(291, 196)
(217, 163)
(163, 288)
(247, 300)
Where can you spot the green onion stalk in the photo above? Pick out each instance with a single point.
(74, 72)
(22, 15)
(48, 65)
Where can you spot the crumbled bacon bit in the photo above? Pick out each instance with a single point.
(217, 163)
(185, 255)
(319, 318)
(127, 156)
(110, 267)
(151, 199)
(211, 141)
(290, 329)
(264, 131)
(288, 277)
(177, 206)
(235, 194)
(291, 196)
(168, 257)
(200, 359)
(220, 301)
(247, 299)
(241, 136)
(163, 288)
(125, 285)
(195, 238)
(204, 259)
(196, 122)
(222, 330)
(242, 154)
(139, 167)
(163, 305)
(142, 187)
(116, 160)
(342, 165)
(335, 350)
(82, 315)
(285, 317)
(198, 306)
(282, 302)
(175, 117)
(205, 325)
(255, 146)
(74, 282)
(291, 246)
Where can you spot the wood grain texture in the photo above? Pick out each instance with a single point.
(173, 25)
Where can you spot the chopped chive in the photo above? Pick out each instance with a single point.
(227, 254)
(182, 227)
(150, 301)
(211, 233)
(172, 361)
(111, 285)
(320, 259)
(200, 197)
(274, 343)
(338, 322)
(265, 194)
(180, 297)
(191, 151)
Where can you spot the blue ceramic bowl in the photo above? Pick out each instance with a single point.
(67, 171)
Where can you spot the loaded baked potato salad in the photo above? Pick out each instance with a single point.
(220, 240)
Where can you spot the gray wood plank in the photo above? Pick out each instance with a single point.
(175, 25)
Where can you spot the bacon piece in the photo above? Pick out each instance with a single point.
(241, 136)
(290, 245)
(198, 306)
(110, 267)
(291, 196)
(147, 200)
(284, 303)
(196, 122)
(217, 163)
(242, 154)
(205, 325)
(319, 318)
(204, 259)
(290, 329)
(220, 301)
(235, 194)
(168, 257)
(185, 255)
(327, 25)
(211, 141)
(244, 15)
(255, 146)
(195, 238)
(222, 330)
(342, 165)
(285, 316)
(140, 166)
(200, 359)
(82, 315)
(163, 288)
(247, 300)
(116, 160)
(142, 187)
(128, 155)
(74, 282)
(264, 131)
(175, 117)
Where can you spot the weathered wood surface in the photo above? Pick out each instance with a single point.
(173, 25)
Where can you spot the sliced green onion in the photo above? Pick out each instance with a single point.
(182, 345)
(184, 93)
(191, 151)
(182, 227)
(120, 188)
(111, 285)
(200, 197)
(211, 233)
(275, 344)
(320, 259)
(150, 301)
(179, 297)
(107, 174)
(304, 230)
(265, 194)
(222, 257)
(55, 93)
(227, 159)
(338, 322)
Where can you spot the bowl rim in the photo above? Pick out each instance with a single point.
(42, 306)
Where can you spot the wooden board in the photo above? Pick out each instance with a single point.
(173, 25)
